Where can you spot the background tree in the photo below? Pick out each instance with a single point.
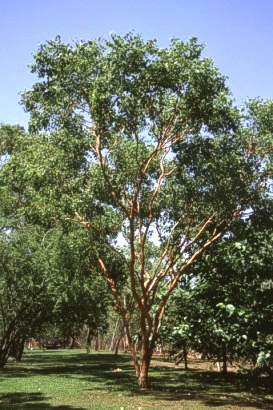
(226, 309)
(84, 300)
(46, 267)
(28, 281)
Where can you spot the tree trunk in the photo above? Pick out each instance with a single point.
(145, 360)
(96, 343)
(142, 366)
(4, 355)
(224, 370)
(123, 341)
(88, 341)
(115, 336)
(101, 343)
(72, 344)
(6, 346)
(143, 379)
(117, 345)
(18, 349)
(185, 354)
(134, 356)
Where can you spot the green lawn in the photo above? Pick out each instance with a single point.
(74, 380)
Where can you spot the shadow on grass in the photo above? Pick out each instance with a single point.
(109, 373)
(212, 389)
(177, 385)
(29, 401)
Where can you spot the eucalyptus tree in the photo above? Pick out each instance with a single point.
(163, 157)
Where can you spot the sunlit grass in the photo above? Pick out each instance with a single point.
(74, 380)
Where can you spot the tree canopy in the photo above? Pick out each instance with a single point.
(141, 144)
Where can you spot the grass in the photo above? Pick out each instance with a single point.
(74, 380)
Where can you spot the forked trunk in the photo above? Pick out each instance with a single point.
(141, 365)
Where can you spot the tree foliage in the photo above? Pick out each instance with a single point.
(145, 143)
(47, 273)
(224, 311)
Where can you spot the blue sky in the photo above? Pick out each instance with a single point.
(238, 35)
